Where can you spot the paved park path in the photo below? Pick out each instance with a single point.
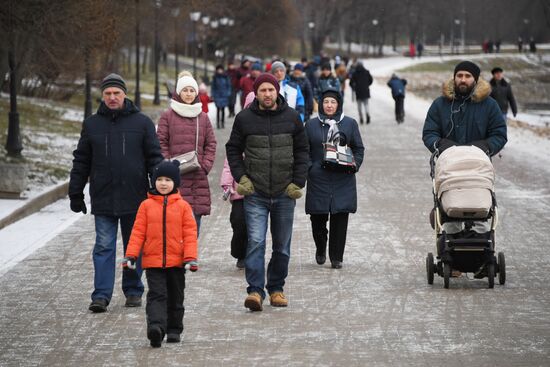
(377, 311)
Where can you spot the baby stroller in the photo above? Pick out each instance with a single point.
(464, 200)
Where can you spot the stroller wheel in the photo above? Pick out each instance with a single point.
(430, 268)
(501, 268)
(446, 275)
(491, 275)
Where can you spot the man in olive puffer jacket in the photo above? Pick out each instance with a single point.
(271, 174)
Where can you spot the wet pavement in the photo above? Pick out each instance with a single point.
(377, 311)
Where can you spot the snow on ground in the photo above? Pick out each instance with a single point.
(25, 236)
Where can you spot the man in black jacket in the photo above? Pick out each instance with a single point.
(299, 78)
(118, 148)
(501, 91)
(271, 174)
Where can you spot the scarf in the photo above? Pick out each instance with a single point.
(186, 110)
(333, 127)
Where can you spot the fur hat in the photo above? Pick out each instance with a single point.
(113, 80)
(168, 169)
(186, 81)
(266, 78)
(469, 67)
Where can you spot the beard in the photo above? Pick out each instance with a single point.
(464, 89)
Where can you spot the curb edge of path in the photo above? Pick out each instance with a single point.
(35, 204)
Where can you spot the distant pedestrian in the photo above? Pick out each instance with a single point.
(178, 134)
(204, 98)
(412, 49)
(290, 90)
(419, 49)
(361, 81)
(501, 91)
(520, 44)
(165, 235)
(330, 195)
(221, 93)
(397, 86)
(268, 156)
(342, 75)
(326, 81)
(117, 150)
(532, 45)
(300, 79)
(247, 82)
(233, 75)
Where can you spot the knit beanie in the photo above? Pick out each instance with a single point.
(277, 65)
(186, 81)
(266, 78)
(168, 169)
(299, 66)
(469, 67)
(113, 80)
(256, 66)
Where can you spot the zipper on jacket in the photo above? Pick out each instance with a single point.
(123, 143)
(269, 153)
(106, 146)
(164, 231)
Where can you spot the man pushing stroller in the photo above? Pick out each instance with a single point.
(465, 115)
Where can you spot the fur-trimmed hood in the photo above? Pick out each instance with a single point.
(482, 90)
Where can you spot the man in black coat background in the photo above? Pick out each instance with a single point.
(117, 150)
(360, 82)
(501, 91)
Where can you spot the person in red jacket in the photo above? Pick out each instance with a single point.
(165, 233)
(204, 97)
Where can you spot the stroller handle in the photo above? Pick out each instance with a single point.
(433, 159)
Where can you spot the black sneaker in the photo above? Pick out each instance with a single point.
(98, 305)
(368, 119)
(173, 338)
(155, 335)
(336, 264)
(240, 263)
(133, 301)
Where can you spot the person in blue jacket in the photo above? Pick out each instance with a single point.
(331, 195)
(221, 93)
(397, 86)
(289, 89)
(465, 115)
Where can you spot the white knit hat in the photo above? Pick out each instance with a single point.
(187, 81)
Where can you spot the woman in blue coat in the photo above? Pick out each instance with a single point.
(221, 92)
(331, 195)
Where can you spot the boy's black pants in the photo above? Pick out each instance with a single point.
(165, 299)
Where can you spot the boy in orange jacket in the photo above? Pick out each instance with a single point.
(165, 232)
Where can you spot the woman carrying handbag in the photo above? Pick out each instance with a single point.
(331, 191)
(182, 129)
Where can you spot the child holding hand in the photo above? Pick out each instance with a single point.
(165, 233)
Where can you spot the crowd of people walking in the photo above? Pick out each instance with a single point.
(289, 130)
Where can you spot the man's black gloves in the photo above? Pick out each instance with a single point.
(443, 144)
(483, 145)
(77, 204)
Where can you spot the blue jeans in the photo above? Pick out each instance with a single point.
(280, 210)
(104, 256)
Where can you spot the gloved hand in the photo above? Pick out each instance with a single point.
(191, 265)
(245, 186)
(443, 144)
(78, 205)
(483, 145)
(293, 191)
(129, 262)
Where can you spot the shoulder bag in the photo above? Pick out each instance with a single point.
(189, 161)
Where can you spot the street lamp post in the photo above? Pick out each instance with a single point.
(175, 13)
(205, 21)
(13, 143)
(137, 98)
(156, 100)
(194, 16)
(457, 22)
(311, 26)
(374, 24)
